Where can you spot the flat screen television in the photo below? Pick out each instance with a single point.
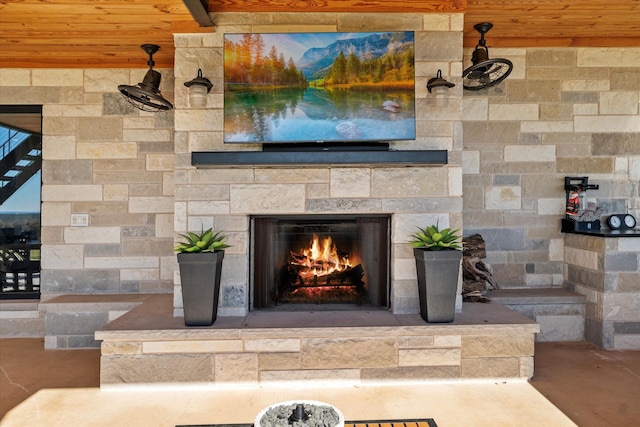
(284, 88)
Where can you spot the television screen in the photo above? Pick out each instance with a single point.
(319, 87)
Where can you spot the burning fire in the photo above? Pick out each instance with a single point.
(320, 259)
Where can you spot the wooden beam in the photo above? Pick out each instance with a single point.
(342, 6)
(189, 27)
(199, 9)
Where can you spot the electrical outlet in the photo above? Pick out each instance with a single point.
(80, 220)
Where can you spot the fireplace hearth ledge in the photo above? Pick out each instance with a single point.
(149, 346)
(292, 158)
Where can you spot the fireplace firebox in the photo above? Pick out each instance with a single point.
(320, 262)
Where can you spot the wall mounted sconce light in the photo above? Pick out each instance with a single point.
(439, 87)
(198, 90)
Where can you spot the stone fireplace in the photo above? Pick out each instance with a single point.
(232, 197)
(319, 262)
(391, 341)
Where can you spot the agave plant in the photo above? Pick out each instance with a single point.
(206, 241)
(434, 239)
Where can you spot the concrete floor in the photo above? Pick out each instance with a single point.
(593, 387)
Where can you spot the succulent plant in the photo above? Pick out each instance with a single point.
(206, 241)
(434, 239)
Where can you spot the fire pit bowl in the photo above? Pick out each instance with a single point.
(300, 413)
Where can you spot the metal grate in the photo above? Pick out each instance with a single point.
(419, 422)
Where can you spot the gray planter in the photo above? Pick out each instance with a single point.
(200, 279)
(437, 283)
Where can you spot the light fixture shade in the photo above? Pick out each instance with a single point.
(439, 89)
(198, 90)
(198, 96)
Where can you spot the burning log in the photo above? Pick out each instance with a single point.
(352, 276)
(476, 275)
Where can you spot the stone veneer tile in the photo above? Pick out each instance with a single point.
(350, 182)
(192, 346)
(583, 258)
(585, 165)
(429, 357)
(504, 197)
(70, 193)
(74, 323)
(328, 353)
(625, 78)
(608, 57)
(447, 340)
(494, 367)
(600, 124)
(626, 342)
(415, 341)
(615, 144)
(625, 103)
(57, 77)
(621, 307)
(92, 235)
(157, 369)
(526, 367)
(408, 182)
(379, 21)
(343, 206)
(118, 347)
(236, 367)
(272, 345)
(265, 198)
(615, 262)
(349, 375)
(513, 112)
(151, 204)
(486, 134)
(530, 90)
(519, 153)
(551, 58)
(279, 361)
(79, 281)
(411, 373)
(292, 176)
(629, 282)
(495, 346)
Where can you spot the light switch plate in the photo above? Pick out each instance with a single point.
(80, 220)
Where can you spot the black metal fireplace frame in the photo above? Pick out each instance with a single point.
(259, 298)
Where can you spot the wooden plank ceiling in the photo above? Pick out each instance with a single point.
(108, 33)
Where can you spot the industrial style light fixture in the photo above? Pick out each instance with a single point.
(198, 90)
(485, 72)
(146, 95)
(439, 87)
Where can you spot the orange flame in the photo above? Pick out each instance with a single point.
(320, 259)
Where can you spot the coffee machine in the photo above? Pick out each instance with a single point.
(579, 215)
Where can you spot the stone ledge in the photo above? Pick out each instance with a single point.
(70, 321)
(93, 302)
(150, 346)
(559, 312)
(536, 296)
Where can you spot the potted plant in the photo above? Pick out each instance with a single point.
(438, 255)
(200, 260)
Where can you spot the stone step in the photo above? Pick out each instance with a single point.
(70, 321)
(560, 313)
(21, 319)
